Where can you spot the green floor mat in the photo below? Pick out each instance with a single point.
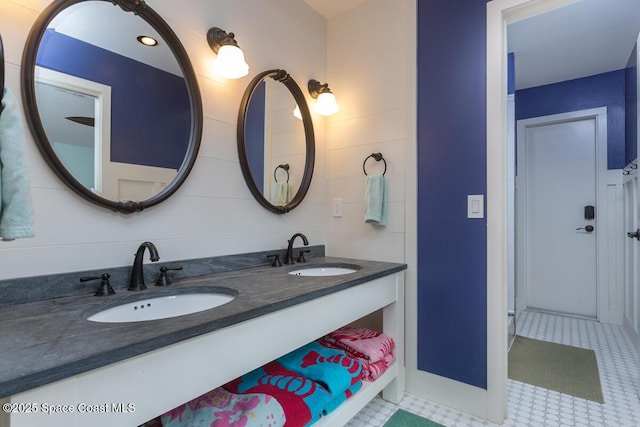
(402, 418)
(562, 368)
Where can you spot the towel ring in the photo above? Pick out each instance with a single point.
(285, 167)
(377, 157)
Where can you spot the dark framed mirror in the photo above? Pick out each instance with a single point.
(117, 116)
(1, 73)
(276, 143)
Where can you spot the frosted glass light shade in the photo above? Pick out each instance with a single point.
(296, 113)
(326, 104)
(230, 62)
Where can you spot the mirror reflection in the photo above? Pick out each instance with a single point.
(116, 112)
(275, 142)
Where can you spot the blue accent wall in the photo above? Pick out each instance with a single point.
(136, 137)
(452, 253)
(254, 134)
(631, 107)
(601, 90)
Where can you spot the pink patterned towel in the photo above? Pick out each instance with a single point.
(370, 371)
(363, 343)
(220, 408)
(375, 369)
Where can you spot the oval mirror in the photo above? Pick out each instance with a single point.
(276, 144)
(112, 101)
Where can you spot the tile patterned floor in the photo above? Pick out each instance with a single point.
(537, 407)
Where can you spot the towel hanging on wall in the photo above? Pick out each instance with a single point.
(375, 200)
(375, 194)
(281, 194)
(16, 210)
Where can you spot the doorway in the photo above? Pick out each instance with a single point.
(561, 163)
(76, 115)
(501, 13)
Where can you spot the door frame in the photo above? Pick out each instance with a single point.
(102, 127)
(499, 14)
(602, 231)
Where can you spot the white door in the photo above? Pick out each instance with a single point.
(557, 163)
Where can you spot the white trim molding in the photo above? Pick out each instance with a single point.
(499, 14)
(454, 394)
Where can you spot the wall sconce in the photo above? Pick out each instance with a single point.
(230, 62)
(326, 103)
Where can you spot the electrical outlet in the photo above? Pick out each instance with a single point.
(337, 208)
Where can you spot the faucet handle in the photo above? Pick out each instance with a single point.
(276, 260)
(105, 287)
(163, 279)
(301, 257)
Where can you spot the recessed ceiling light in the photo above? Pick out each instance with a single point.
(147, 40)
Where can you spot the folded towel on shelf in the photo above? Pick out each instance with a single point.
(329, 367)
(370, 370)
(361, 342)
(302, 399)
(341, 398)
(16, 210)
(375, 200)
(220, 408)
(374, 369)
(281, 193)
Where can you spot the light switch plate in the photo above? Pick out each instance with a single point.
(337, 208)
(475, 206)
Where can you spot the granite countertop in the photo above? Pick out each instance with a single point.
(50, 340)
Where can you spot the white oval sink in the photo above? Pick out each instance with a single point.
(325, 270)
(162, 307)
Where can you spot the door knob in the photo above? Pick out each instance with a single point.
(588, 228)
(634, 234)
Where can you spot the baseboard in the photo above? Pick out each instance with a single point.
(454, 394)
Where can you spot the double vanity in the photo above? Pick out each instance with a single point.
(75, 359)
(127, 358)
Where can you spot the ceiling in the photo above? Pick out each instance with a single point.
(107, 26)
(331, 8)
(585, 38)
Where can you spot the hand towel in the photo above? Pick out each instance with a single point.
(16, 210)
(331, 368)
(302, 399)
(281, 193)
(375, 200)
(220, 408)
(361, 342)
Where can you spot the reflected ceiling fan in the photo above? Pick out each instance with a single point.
(87, 121)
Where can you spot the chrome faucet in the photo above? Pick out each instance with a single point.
(288, 256)
(136, 283)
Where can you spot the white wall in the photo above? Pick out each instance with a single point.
(369, 70)
(213, 213)
(372, 72)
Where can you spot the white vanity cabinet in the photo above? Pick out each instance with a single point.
(135, 390)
